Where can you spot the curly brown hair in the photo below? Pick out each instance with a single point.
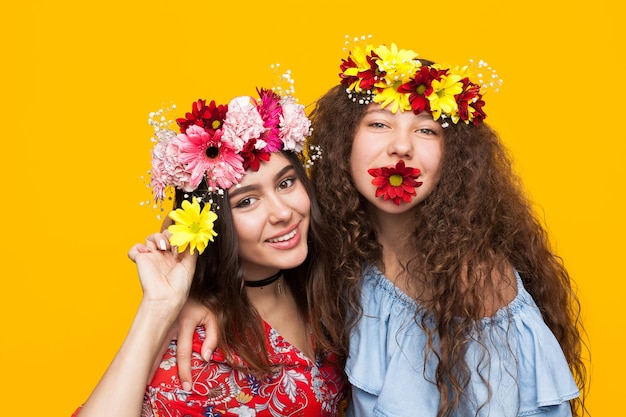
(476, 221)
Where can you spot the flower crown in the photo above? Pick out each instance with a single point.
(215, 147)
(396, 77)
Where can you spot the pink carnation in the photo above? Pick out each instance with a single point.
(242, 123)
(294, 125)
(167, 168)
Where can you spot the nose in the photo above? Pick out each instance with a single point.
(401, 145)
(277, 209)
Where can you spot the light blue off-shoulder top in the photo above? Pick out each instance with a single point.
(524, 364)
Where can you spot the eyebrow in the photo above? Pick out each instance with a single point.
(252, 187)
(422, 115)
(377, 110)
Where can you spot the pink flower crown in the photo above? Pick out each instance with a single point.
(218, 143)
(396, 77)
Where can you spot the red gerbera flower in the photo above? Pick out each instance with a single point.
(395, 183)
(420, 87)
(209, 117)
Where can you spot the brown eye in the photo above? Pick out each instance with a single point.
(246, 202)
(287, 183)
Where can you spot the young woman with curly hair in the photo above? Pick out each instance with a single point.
(459, 306)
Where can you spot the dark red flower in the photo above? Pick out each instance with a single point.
(420, 87)
(470, 97)
(252, 157)
(395, 183)
(209, 117)
(366, 78)
(345, 64)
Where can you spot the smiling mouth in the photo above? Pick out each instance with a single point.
(283, 238)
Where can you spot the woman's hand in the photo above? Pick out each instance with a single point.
(192, 315)
(165, 275)
(157, 253)
(158, 256)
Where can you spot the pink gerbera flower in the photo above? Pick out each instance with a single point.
(205, 155)
(395, 183)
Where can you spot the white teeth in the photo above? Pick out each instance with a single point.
(283, 238)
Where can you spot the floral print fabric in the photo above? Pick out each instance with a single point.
(300, 387)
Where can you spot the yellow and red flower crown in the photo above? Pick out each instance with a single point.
(397, 78)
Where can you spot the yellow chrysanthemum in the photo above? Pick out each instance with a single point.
(442, 98)
(359, 56)
(192, 226)
(399, 64)
(390, 95)
(464, 71)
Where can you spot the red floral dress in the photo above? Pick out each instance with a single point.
(301, 387)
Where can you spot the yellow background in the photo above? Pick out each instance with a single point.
(79, 79)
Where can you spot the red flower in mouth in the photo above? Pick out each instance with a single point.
(395, 183)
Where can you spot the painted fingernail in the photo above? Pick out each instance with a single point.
(162, 244)
(206, 355)
(186, 386)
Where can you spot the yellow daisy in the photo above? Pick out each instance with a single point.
(398, 64)
(391, 96)
(442, 99)
(192, 226)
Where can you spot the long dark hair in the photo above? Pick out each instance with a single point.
(219, 284)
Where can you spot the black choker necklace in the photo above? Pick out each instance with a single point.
(263, 282)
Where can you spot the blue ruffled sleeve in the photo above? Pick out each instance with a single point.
(523, 362)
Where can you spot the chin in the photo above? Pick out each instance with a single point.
(390, 207)
(294, 260)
